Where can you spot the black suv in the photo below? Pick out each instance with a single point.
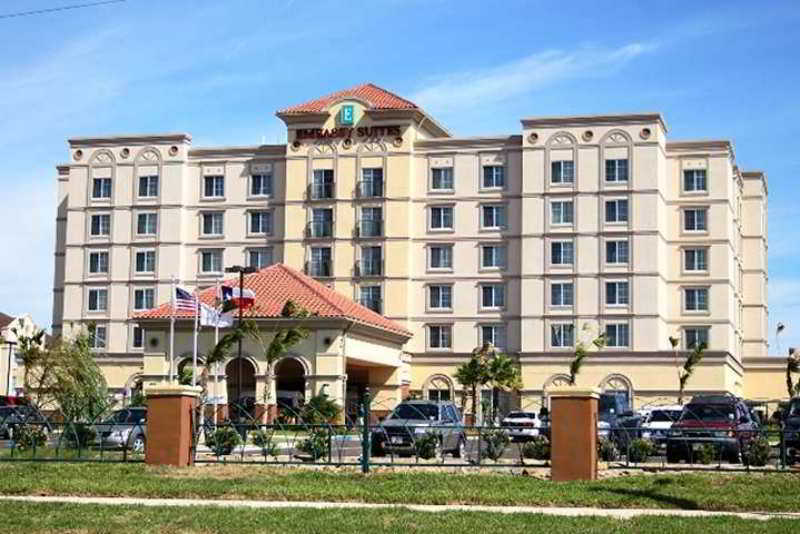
(415, 418)
(14, 416)
(791, 427)
(724, 421)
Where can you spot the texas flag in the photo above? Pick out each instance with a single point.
(231, 298)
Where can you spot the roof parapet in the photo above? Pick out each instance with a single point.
(597, 120)
(129, 139)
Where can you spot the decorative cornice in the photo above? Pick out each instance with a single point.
(129, 139)
(499, 141)
(239, 151)
(583, 120)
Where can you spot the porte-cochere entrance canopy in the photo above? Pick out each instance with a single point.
(349, 347)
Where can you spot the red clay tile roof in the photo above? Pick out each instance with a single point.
(5, 320)
(278, 283)
(376, 97)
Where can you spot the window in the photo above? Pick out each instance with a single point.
(442, 218)
(98, 337)
(211, 261)
(100, 224)
(695, 219)
(322, 222)
(493, 256)
(493, 295)
(148, 186)
(617, 251)
(98, 300)
(617, 211)
(561, 212)
(261, 185)
(616, 170)
(214, 186)
(442, 179)
(371, 183)
(371, 261)
(493, 217)
(101, 188)
(213, 223)
(146, 223)
(562, 294)
(144, 299)
(439, 336)
(694, 180)
(320, 264)
(562, 172)
(261, 222)
(146, 261)
(695, 259)
(562, 335)
(371, 222)
(694, 336)
(617, 294)
(259, 257)
(494, 177)
(441, 257)
(617, 335)
(371, 298)
(322, 184)
(561, 252)
(98, 262)
(696, 299)
(138, 337)
(440, 297)
(439, 391)
(494, 334)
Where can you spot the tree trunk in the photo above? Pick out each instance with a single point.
(474, 404)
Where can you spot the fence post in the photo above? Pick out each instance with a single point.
(783, 446)
(365, 437)
(170, 435)
(573, 433)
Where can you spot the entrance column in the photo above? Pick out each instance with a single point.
(170, 413)
(573, 433)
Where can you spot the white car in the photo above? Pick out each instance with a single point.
(657, 424)
(521, 425)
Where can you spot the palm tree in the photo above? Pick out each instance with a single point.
(581, 352)
(503, 374)
(792, 366)
(695, 355)
(472, 375)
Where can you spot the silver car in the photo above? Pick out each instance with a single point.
(124, 429)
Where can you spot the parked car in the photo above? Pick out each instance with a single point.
(658, 422)
(123, 429)
(791, 427)
(724, 421)
(521, 426)
(616, 421)
(14, 415)
(414, 418)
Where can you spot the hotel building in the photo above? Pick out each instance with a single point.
(534, 241)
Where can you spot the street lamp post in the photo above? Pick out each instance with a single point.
(242, 271)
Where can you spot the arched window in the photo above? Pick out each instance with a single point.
(438, 388)
(620, 386)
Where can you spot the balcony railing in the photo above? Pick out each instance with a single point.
(370, 189)
(370, 228)
(320, 229)
(372, 303)
(321, 191)
(319, 268)
(369, 268)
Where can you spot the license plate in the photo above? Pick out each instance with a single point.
(397, 440)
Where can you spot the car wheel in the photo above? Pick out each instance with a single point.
(138, 444)
(461, 449)
(377, 449)
(734, 455)
(673, 457)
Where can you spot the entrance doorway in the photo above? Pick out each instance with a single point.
(290, 385)
(241, 381)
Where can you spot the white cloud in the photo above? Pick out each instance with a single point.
(467, 89)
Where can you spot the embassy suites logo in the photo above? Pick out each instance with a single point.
(345, 133)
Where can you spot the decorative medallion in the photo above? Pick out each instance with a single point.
(398, 142)
(295, 145)
(562, 140)
(173, 150)
(617, 137)
(588, 135)
(125, 152)
(149, 155)
(347, 143)
(102, 157)
(645, 133)
(77, 155)
(533, 138)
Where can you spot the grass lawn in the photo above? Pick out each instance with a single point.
(28, 517)
(729, 492)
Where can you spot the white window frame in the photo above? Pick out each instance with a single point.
(616, 179)
(260, 250)
(694, 190)
(694, 252)
(695, 209)
(448, 347)
(560, 326)
(134, 346)
(495, 171)
(562, 242)
(220, 252)
(214, 195)
(147, 214)
(452, 178)
(93, 337)
(616, 301)
(617, 326)
(215, 216)
(263, 214)
(100, 235)
(495, 327)
(616, 202)
(430, 248)
(89, 262)
(498, 211)
(263, 176)
(557, 169)
(368, 288)
(698, 328)
(497, 288)
(144, 291)
(439, 288)
(110, 188)
(136, 261)
(566, 217)
(616, 243)
(431, 209)
(561, 285)
(698, 289)
(99, 291)
(149, 178)
(498, 264)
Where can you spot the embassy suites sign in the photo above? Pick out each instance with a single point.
(348, 133)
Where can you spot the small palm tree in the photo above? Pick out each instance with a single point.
(581, 352)
(472, 375)
(503, 374)
(792, 367)
(694, 357)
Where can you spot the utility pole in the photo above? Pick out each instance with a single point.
(242, 271)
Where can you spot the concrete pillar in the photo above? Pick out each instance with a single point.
(170, 410)
(573, 433)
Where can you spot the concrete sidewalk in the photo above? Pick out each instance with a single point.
(615, 513)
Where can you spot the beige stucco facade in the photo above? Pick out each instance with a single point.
(434, 199)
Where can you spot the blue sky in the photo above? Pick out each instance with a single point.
(219, 70)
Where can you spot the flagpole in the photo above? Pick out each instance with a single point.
(172, 332)
(194, 350)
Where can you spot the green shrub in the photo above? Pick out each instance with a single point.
(496, 441)
(78, 435)
(640, 450)
(607, 450)
(317, 445)
(756, 452)
(538, 449)
(223, 440)
(28, 437)
(426, 445)
(263, 440)
(704, 454)
(319, 409)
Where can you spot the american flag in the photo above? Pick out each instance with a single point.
(185, 300)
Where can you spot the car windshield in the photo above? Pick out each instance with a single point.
(608, 403)
(521, 415)
(664, 416)
(416, 411)
(117, 417)
(708, 412)
(794, 408)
